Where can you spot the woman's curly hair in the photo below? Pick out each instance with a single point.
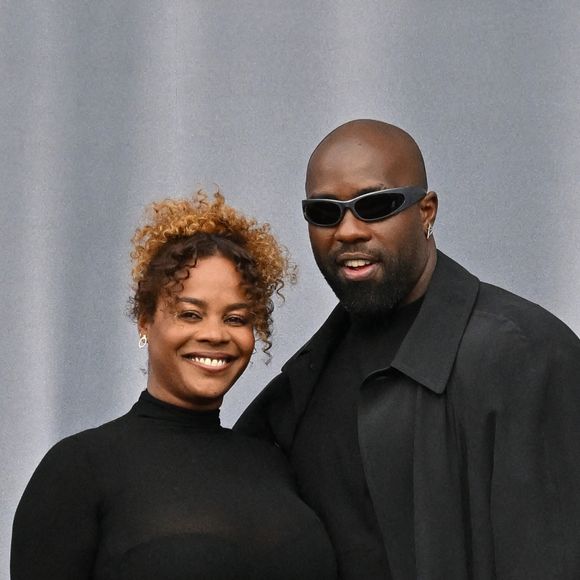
(177, 233)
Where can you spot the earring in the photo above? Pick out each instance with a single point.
(143, 341)
(429, 231)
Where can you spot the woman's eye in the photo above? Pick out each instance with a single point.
(237, 320)
(189, 315)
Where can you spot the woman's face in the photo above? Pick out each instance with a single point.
(201, 344)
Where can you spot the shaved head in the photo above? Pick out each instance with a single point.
(372, 266)
(379, 142)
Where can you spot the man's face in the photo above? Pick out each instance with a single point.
(371, 266)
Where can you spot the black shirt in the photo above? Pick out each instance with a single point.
(326, 452)
(167, 494)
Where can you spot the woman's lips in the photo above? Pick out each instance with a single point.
(213, 363)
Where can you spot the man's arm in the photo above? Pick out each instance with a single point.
(535, 487)
(270, 415)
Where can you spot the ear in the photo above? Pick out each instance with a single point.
(143, 325)
(428, 207)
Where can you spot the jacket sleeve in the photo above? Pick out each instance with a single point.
(270, 415)
(55, 530)
(535, 486)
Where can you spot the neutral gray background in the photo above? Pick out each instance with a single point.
(106, 105)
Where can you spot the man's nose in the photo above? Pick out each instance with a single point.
(350, 229)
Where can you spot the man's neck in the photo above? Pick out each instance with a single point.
(424, 279)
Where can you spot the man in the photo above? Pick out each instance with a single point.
(433, 421)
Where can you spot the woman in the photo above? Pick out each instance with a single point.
(165, 492)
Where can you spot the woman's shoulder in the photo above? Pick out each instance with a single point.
(77, 449)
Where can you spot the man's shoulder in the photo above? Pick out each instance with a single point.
(500, 332)
(256, 420)
(271, 414)
(492, 307)
(514, 356)
(498, 309)
(511, 340)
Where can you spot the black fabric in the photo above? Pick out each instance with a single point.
(328, 465)
(496, 433)
(166, 493)
(326, 453)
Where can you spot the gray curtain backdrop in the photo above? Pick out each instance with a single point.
(107, 105)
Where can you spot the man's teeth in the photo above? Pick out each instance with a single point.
(210, 362)
(356, 263)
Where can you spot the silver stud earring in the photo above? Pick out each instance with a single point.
(143, 341)
(429, 231)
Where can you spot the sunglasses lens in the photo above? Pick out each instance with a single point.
(369, 207)
(376, 207)
(323, 213)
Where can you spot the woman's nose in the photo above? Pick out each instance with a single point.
(211, 330)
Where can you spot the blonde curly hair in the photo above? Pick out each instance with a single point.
(177, 233)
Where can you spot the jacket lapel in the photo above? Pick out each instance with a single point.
(428, 352)
(305, 367)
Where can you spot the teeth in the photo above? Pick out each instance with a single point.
(210, 362)
(356, 263)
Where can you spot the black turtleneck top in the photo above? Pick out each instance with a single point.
(166, 493)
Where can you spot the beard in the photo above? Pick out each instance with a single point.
(374, 297)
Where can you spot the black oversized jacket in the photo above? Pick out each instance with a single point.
(496, 463)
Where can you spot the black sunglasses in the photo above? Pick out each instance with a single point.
(369, 207)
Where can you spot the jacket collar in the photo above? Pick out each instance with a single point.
(428, 352)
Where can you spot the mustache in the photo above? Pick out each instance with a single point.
(356, 248)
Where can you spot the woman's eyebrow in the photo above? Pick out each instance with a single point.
(203, 303)
(238, 306)
(197, 302)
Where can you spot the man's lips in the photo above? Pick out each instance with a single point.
(357, 267)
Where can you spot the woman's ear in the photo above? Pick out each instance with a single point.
(143, 326)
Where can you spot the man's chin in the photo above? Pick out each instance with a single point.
(365, 298)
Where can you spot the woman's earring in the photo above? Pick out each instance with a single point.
(143, 341)
(429, 231)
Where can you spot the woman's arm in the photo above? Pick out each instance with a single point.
(55, 533)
